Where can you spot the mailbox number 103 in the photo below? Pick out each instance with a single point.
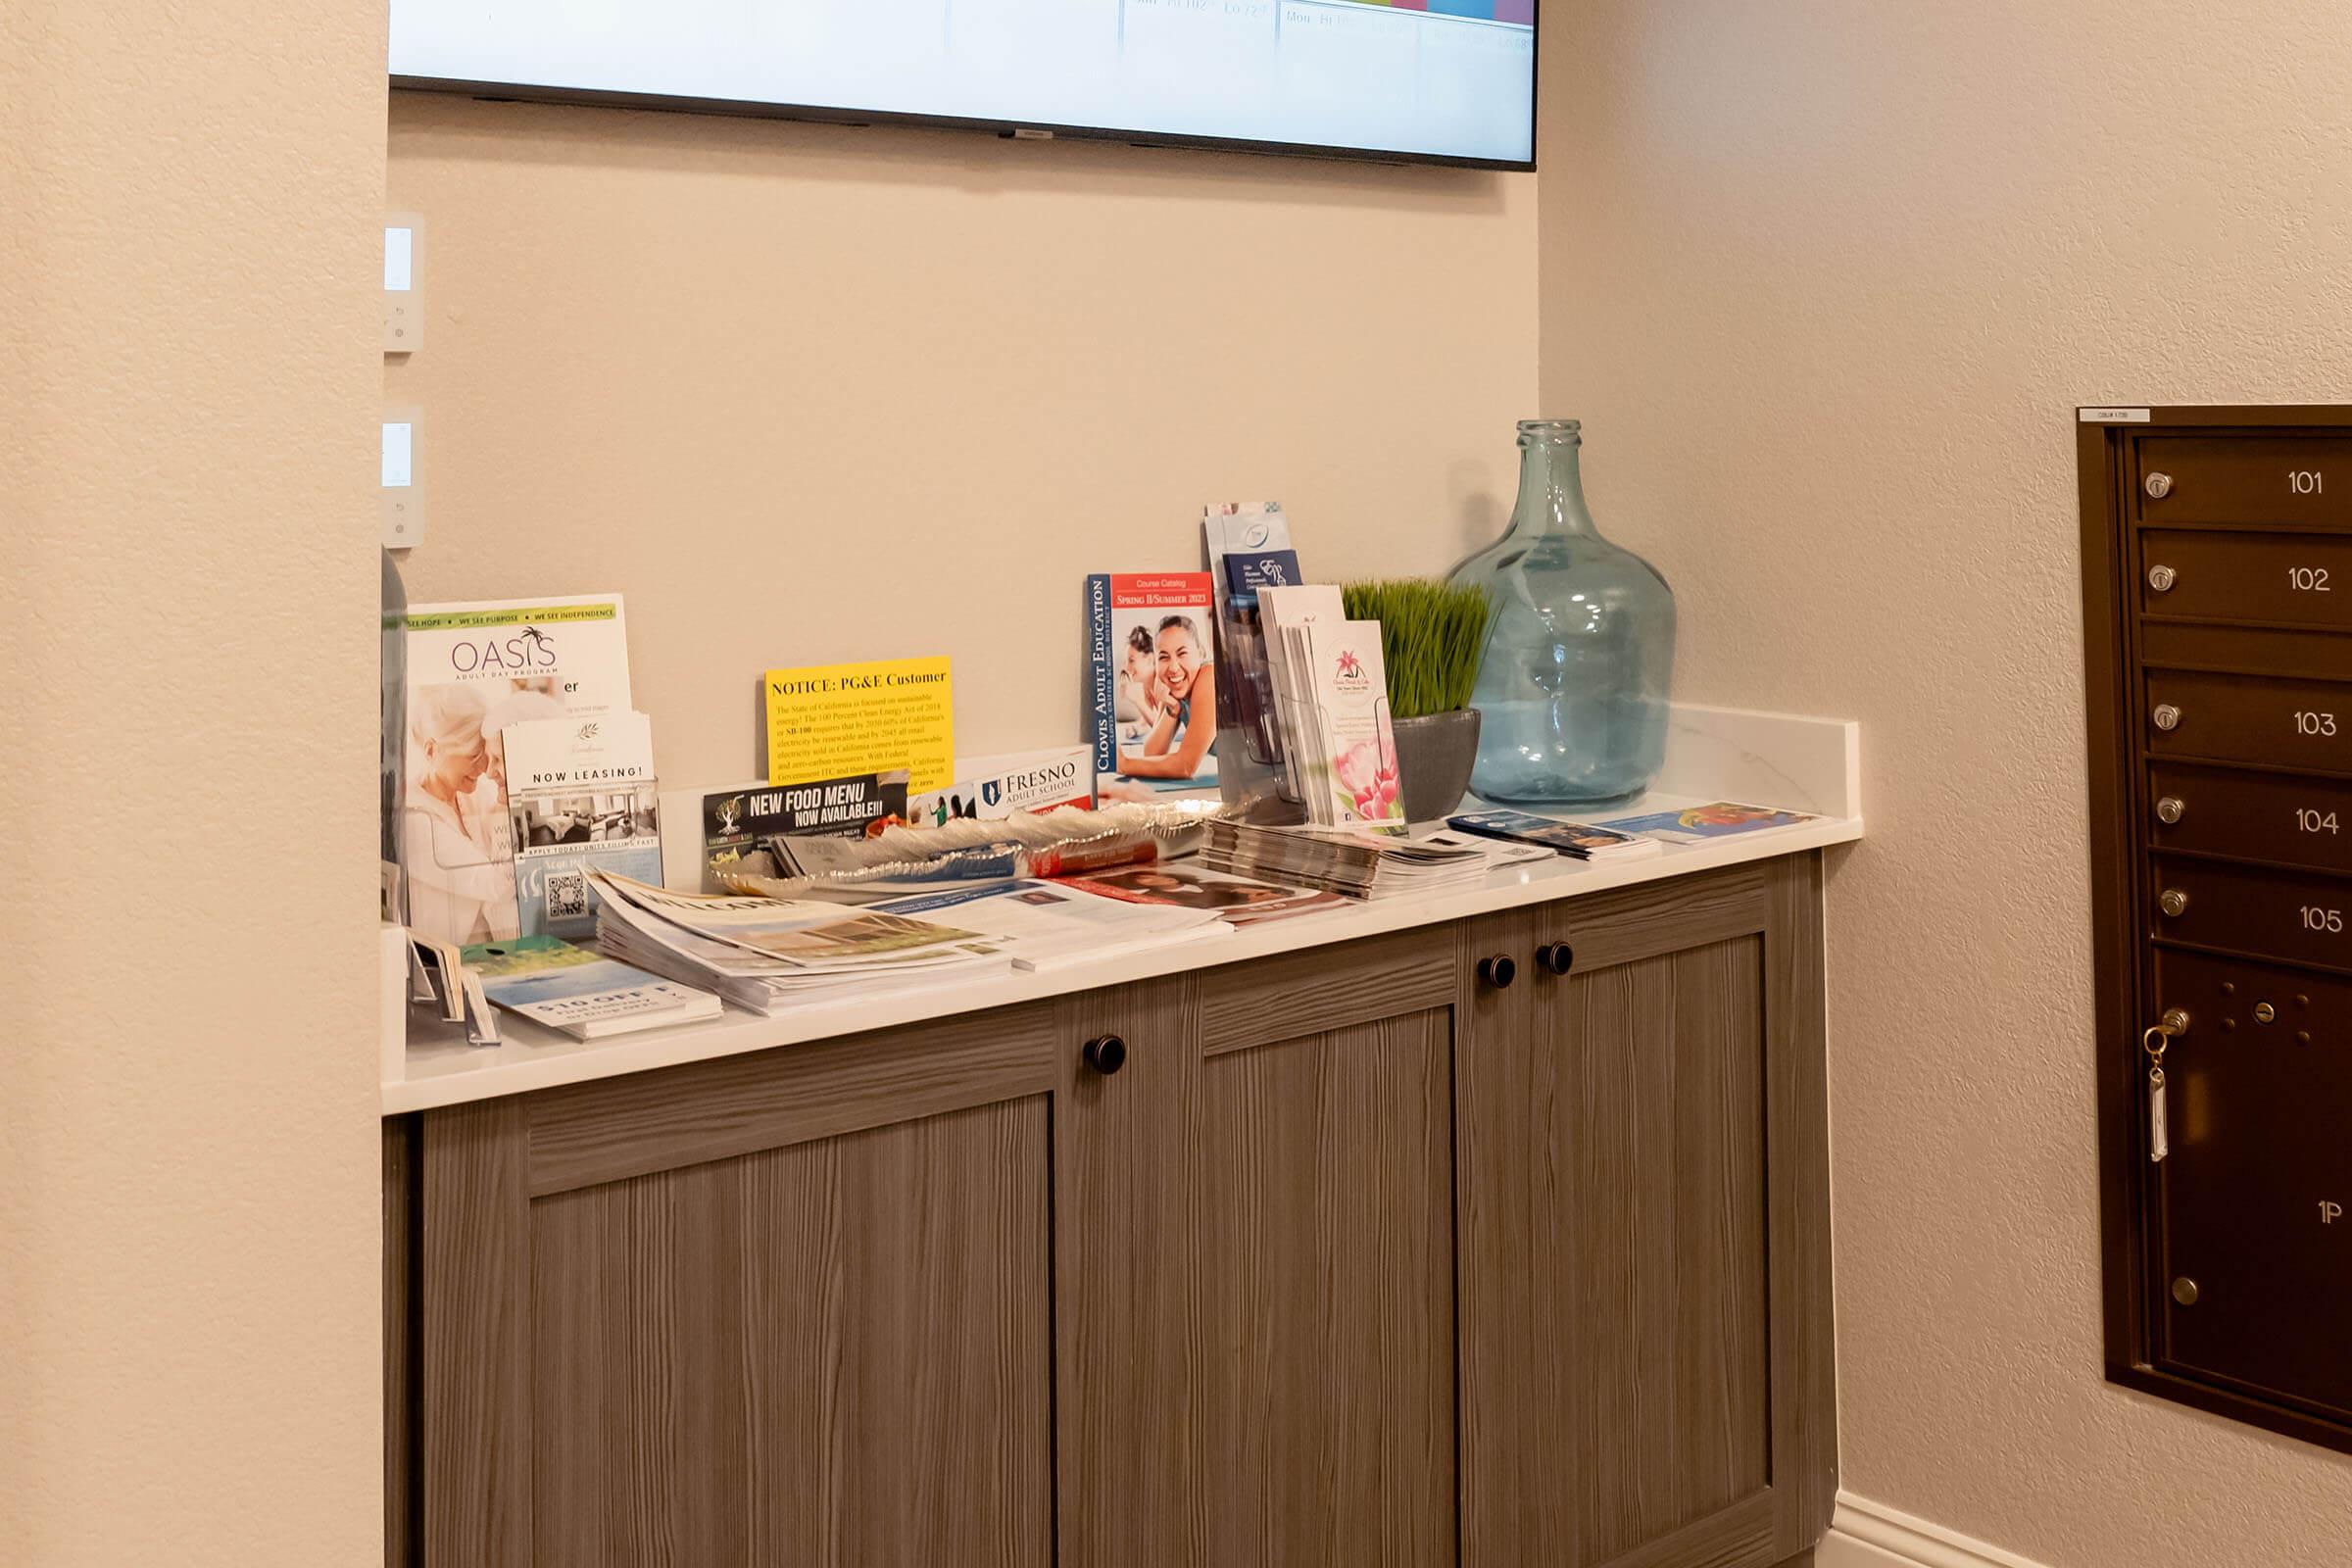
(2308, 723)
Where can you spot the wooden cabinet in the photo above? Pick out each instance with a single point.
(1258, 1287)
(1642, 1177)
(789, 1308)
(1345, 1259)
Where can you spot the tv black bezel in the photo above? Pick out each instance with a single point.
(1010, 129)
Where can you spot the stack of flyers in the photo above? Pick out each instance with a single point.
(762, 954)
(1238, 901)
(1360, 862)
(1051, 925)
(586, 996)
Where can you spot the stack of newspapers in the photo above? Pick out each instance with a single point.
(1362, 864)
(762, 953)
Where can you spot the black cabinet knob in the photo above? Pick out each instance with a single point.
(1498, 972)
(1555, 958)
(1106, 1054)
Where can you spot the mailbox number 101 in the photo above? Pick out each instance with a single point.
(2307, 481)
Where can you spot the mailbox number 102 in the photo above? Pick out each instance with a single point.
(2308, 579)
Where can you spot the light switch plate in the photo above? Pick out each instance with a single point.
(403, 282)
(403, 479)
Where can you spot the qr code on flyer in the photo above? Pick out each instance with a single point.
(566, 895)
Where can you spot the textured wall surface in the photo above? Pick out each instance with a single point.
(813, 393)
(188, 1207)
(1827, 282)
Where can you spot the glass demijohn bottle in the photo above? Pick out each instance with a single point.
(1580, 652)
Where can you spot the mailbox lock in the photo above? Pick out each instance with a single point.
(2169, 809)
(2162, 578)
(2173, 901)
(2159, 485)
(2167, 717)
(2184, 1291)
(2264, 1012)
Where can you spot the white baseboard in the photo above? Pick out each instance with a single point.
(1869, 1534)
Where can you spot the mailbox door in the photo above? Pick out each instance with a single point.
(2254, 1218)
(2246, 479)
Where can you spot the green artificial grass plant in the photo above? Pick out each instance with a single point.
(1431, 636)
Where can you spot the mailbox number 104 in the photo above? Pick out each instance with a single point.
(2312, 820)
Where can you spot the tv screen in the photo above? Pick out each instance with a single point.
(1448, 81)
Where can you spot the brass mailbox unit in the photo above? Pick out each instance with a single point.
(2217, 605)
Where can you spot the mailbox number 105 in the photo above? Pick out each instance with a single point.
(2317, 919)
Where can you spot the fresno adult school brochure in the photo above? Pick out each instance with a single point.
(473, 670)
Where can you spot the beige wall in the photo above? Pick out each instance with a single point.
(188, 1233)
(1827, 281)
(810, 393)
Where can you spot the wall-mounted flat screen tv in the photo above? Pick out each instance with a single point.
(1448, 81)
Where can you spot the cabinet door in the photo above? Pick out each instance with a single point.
(1256, 1267)
(1645, 1291)
(784, 1309)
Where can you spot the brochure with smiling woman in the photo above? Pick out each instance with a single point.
(1152, 683)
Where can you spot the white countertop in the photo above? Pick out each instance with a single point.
(1767, 760)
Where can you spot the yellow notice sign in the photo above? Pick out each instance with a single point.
(838, 720)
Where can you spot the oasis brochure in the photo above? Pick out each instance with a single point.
(475, 670)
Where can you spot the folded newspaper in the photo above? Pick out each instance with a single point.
(762, 954)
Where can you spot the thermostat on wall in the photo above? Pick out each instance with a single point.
(404, 503)
(404, 286)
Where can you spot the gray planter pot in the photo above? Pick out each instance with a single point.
(1434, 759)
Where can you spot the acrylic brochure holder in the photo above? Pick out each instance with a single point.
(437, 974)
(1252, 770)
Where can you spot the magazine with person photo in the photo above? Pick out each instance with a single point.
(475, 671)
(1152, 683)
(1236, 900)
